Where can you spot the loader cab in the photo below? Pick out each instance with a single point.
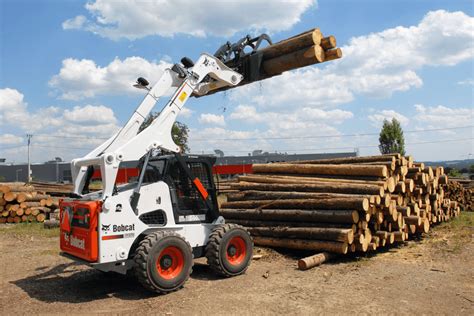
(191, 203)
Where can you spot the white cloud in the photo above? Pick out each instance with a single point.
(250, 114)
(443, 117)
(375, 65)
(208, 118)
(378, 118)
(74, 23)
(467, 82)
(79, 79)
(91, 113)
(276, 131)
(136, 19)
(186, 113)
(68, 133)
(10, 139)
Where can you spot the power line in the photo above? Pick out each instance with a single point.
(267, 138)
(331, 136)
(12, 147)
(363, 146)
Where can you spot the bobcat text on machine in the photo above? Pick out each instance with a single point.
(158, 224)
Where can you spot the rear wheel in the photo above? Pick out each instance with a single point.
(163, 262)
(229, 250)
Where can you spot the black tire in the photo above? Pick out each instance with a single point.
(163, 262)
(229, 250)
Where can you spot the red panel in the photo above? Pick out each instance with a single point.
(123, 175)
(232, 169)
(81, 242)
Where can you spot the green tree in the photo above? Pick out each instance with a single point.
(391, 138)
(471, 169)
(454, 173)
(179, 131)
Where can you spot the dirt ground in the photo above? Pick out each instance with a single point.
(431, 276)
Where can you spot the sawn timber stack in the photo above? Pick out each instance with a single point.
(340, 205)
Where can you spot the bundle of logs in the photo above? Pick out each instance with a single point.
(305, 49)
(340, 205)
(461, 190)
(23, 203)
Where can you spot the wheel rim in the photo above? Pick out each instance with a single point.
(236, 250)
(170, 263)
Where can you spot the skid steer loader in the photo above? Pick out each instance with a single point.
(156, 225)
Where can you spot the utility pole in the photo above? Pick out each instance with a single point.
(28, 176)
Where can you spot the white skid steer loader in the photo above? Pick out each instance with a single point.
(157, 224)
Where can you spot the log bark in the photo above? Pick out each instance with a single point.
(347, 160)
(288, 223)
(323, 187)
(293, 60)
(359, 204)
(413, 220)
(319, 216)
(332, 54)
(329, 246)
(295, 43)
(328, 43)
(284, 195)
(313, 261)
(328, 169)
(30, 204)
(298, 179)
(313, 233)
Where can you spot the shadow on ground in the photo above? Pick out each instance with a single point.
(70, 283)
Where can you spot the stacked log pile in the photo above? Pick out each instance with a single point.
(23, 203)
(340, 205)
(461, 190)
(305, 49)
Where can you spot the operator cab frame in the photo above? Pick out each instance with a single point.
(192, 202)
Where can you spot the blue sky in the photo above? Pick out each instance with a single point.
(66, 69)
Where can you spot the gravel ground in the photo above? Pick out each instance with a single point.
(431, 276)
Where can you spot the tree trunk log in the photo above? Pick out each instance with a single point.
(299, 179)
(293, 60)
(330, 234)
(313, 261)
(284, 195)
(359, 204)
(306, 187)
(319, 216)
(295, 43)
(270, 223)
(329, 169)
(329, 246)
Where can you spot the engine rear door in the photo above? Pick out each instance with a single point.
(78, 228)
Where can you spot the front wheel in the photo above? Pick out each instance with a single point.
(163, 261)
(229, 250)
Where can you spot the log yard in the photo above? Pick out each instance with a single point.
(140, 211)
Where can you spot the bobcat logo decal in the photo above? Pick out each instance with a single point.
(105, 228)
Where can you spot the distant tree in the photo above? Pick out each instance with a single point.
(391, 138)
(179, 131)
(471, 169)
(453, 172)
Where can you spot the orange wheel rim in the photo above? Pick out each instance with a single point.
(236, 250)
(170, 263)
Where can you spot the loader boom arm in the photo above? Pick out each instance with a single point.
(129, 145)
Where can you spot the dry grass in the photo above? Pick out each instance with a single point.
(28, 230)
(452, 236)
